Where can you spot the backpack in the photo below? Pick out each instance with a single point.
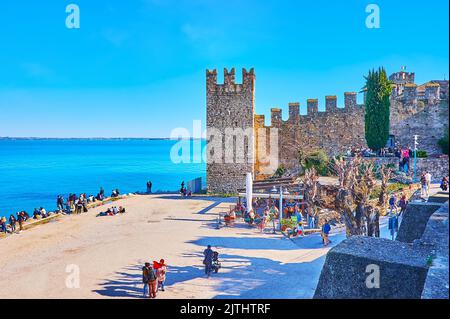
(151, 275)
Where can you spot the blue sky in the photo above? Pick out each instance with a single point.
(136, 68)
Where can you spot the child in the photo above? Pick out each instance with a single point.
(300, 229)
(326, 228)
(161, 270)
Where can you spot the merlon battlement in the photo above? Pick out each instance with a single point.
(229, 80)
(312, 107)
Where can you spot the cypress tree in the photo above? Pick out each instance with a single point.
(377, 108)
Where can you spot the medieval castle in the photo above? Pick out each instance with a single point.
(415, 109)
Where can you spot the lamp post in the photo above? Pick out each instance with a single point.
(415, 157)
(281, 206)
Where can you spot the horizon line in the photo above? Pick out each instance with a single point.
(97, 138)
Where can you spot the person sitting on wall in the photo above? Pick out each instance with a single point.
(44, 213)
(250, 218)
(36, 213)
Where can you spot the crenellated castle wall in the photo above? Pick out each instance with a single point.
(334, 130)
(415, 109)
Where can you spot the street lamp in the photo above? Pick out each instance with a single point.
(281, 207)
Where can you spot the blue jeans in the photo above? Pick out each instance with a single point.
(146, 290)
(311, 222)
(4, 228)
(161, 284)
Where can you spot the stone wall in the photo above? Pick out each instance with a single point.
(230, 106)
(404, 265)
(334, 130)
(340, 128)
(429, 121)
(436, 234)
(348, 266)
(436, 166)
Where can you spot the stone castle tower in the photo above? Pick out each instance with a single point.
(230, 112)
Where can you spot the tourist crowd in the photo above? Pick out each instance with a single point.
(75, 204)
(404, 154)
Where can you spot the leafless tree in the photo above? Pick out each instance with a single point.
(386, 174)
(356, 183)
(311, 198)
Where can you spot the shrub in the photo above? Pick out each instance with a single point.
(443, 142)
(279, 172)
(421, 154)
(289, 223)
(394, 187)
(317, 159)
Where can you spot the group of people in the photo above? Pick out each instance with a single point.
(75, 204)
(361, 151)
(425, 184)
(184, 191)
(404, 154)
(13, 221)
(112, 211)
(394, 214)
(153, 278)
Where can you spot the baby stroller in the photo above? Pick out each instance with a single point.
(215, 262)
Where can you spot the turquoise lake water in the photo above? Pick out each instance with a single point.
(34, 172)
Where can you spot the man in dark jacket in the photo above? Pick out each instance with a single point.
(145, 278)
(208, 253)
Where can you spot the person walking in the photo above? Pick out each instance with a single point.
(424, 186)
(428, 179)
(393, 224)
(161, 274)
(152, 282)
(326, 228)
(403, 203)
(207, 261)
(145, 279)
(149, 187)
(20, 219)
(393, 203)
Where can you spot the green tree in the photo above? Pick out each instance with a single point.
(317, 159)
(377, 108)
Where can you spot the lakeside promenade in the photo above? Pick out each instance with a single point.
(110, 251)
